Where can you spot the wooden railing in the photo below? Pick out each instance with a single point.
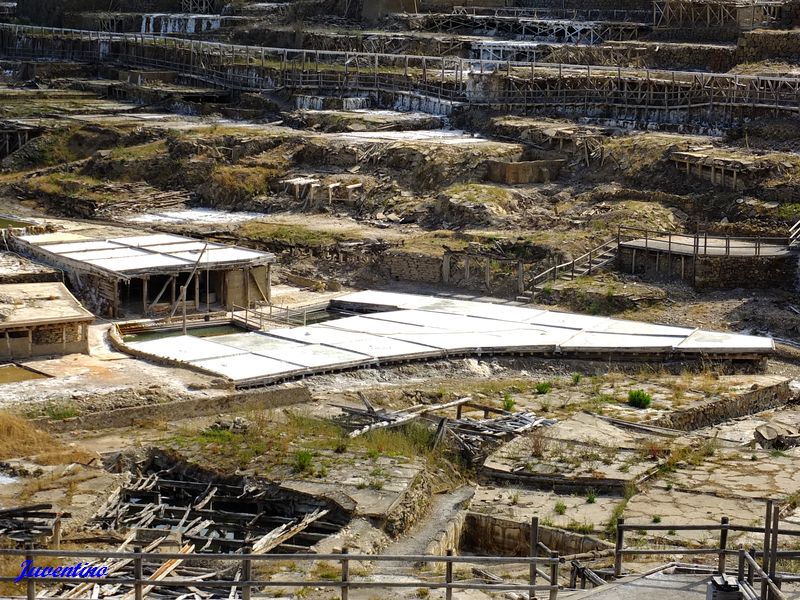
(703, 244)
(570, 267)
(265, 315)
(139, 583)
(446, 79)
(748, 568)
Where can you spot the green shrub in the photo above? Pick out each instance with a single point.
(543, 387)
(508, 402)
(303, 460)
(576, 378)
(591, 497)
(59, 412)
(560, 508)
(639, 399)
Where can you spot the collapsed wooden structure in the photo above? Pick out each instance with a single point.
(474, 437)
(14, 136)
(219, 517)
(27, 524)
(726, 171)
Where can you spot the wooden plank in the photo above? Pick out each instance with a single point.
(285, 532)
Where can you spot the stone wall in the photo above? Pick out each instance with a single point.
(535, 171)
(45, 340)
(714, 58)
(764, 44)
(448, 538)
(485, 534)
(412, 266)
(718, 410)
(746, 272)
(265, 398)
(412, 505)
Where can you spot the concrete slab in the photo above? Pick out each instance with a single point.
(185, 348)
(704, 341)
(78, 246)
(317, 334)
(256, 342)
(385, 347)
(675, 586)
(446, 321)
(137, 263)
(568, 320)
(141, 241)
(416, 333)
(613, 342)
(523, 340)
(102, 254)
(244, 367)
(500, 312)
(315, 355)
(366, 324)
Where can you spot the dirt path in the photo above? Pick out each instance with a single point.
(444, 508)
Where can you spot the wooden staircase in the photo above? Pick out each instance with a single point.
(593, 261)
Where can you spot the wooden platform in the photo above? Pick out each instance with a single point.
(686, 245)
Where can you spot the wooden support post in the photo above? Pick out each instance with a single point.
(115, 302)
(448, 594)
(446, 268)
(197, 292)
(534, 544)
(30, 581)
(144, 294)
(740, 567)
(767, 541)
(773, 560)
(246, 275)
(345, 574)
(620, 542)
(183, 302)
(269, 283)
(554, 576)
(723, 544)
(247, 572)
(138, 573)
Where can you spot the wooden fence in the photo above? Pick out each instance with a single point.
(748, 568)
(139, 584)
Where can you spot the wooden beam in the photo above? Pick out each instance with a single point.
(258, 285)
(161, 293)
(285, 532)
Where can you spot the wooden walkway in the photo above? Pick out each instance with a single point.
(623, 93)
(688, 245)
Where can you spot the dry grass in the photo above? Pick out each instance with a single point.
(19, 438)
